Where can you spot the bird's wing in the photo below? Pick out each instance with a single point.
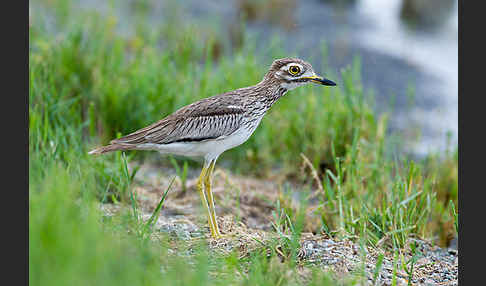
(210, 118)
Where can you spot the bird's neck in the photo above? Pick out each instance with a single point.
(269, 91)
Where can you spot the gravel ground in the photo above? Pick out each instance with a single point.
(434, 265)
(246, 216)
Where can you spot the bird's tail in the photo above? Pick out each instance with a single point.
(111, 148)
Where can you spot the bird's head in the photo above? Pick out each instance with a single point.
(290, 73)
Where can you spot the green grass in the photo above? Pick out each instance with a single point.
(88, 84)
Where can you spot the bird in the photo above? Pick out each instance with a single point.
(208, 127)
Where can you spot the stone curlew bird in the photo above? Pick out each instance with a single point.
(210, 126)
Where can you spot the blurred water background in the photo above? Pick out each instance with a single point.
(407, 49)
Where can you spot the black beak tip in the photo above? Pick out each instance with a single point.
(327, 82)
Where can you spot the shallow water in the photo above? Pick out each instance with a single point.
(435, 54)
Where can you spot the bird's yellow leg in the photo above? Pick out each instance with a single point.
(200, 188)
(209, 195)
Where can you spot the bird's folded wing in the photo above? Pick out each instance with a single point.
(195, 122)
(197, 129)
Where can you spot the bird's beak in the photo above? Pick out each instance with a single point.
(321, 80)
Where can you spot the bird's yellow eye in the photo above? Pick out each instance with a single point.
(294, 70)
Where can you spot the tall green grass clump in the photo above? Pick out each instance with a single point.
(68, 244)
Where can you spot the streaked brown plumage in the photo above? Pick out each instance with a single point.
(210, 126)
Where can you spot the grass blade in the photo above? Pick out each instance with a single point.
(156, 212)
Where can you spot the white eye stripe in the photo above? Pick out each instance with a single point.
(283, 75)
(307, 74)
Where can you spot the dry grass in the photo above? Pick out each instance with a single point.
(245, 210)
(248, 200)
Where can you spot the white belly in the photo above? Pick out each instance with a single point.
(208, 149)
